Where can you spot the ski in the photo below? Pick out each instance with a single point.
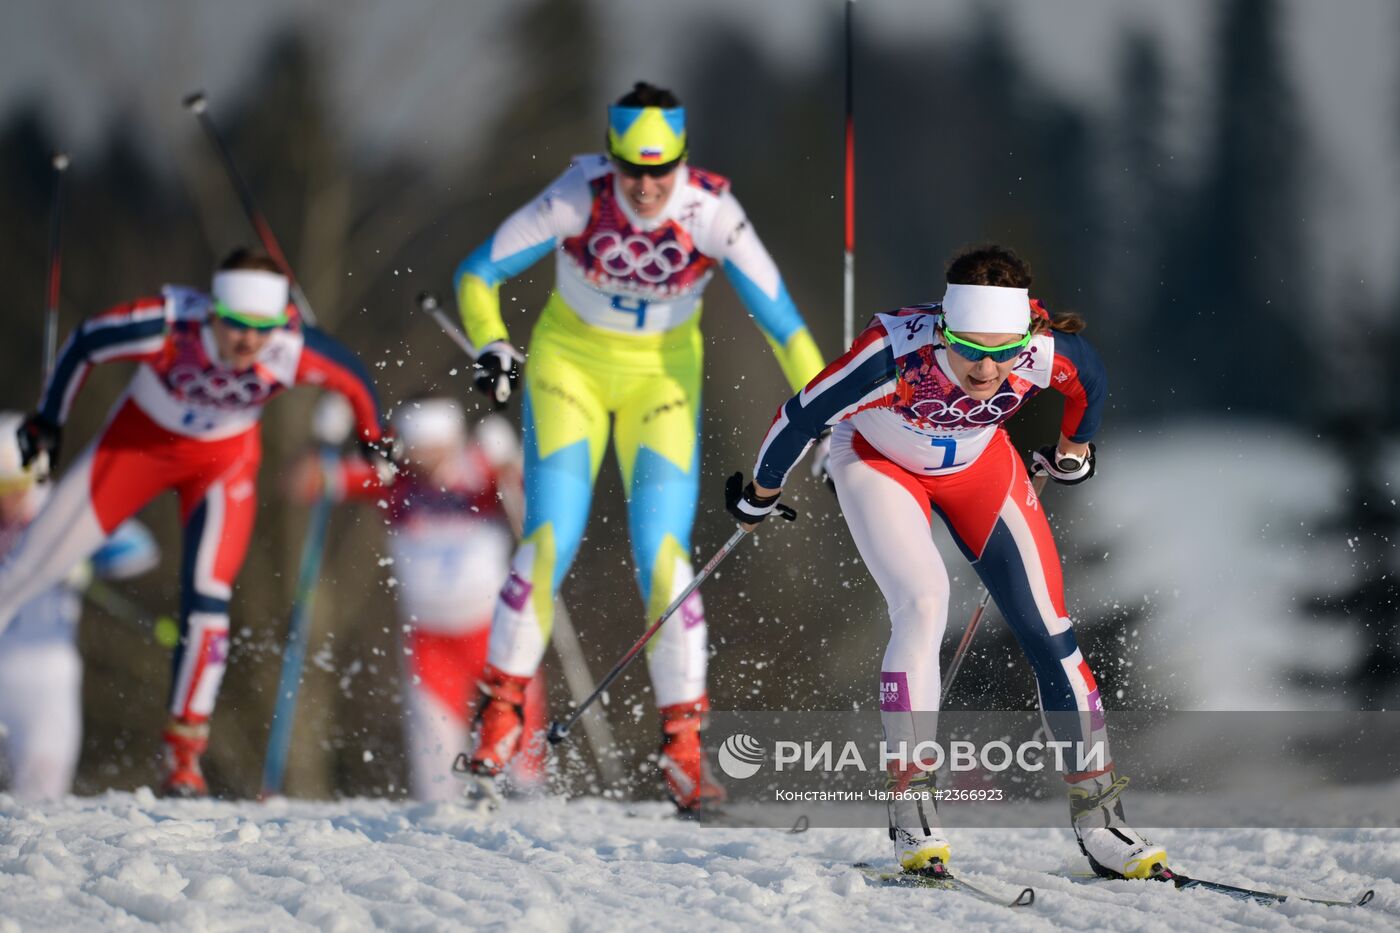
(943, 882)
(1267, 898)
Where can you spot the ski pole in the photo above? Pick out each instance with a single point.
(53, 275)
(559, 731)
(564, 637)
(428, 303)
(55, 270)
(330, 434)
(198, 105)
(849, 254)
(972, 624)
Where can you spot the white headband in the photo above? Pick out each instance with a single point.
(986, 309)
(431, 422)
(252, 293)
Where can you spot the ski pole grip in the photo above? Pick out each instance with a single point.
(786, 511)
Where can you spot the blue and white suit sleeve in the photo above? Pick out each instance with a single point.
(525, 237)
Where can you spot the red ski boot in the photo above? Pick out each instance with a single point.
(689, 781)
(500, 721)
(185, 740)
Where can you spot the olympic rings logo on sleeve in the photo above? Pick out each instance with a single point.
(635, 254)
(968, 410)
(216, 387)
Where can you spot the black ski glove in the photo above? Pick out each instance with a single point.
(497, 371)
(37, 435)
(1063, 468)
(748, 507)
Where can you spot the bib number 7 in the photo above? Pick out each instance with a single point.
(949, 446)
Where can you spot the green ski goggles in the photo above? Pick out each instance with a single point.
(240, 321)
(975, 352)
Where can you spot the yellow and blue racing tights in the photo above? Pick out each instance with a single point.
(578, 379)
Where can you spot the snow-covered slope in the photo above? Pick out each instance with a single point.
(124, 861)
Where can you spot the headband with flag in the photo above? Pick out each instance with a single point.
(646, 135)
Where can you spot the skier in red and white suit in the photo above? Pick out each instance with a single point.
(917, 406)
(187, 422)
(450, 541)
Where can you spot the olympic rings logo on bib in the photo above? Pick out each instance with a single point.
(214, 387)
(968, 410)
(636, 255)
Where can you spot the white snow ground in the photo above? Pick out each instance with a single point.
(129, 861)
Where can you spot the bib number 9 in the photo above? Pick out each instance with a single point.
(635, 306)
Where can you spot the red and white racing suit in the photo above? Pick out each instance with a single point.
(450, 542)
(186, 423)
(909, 443)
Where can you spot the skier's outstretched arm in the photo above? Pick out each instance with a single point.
(863, 377)
(525, 237)
(132, 331)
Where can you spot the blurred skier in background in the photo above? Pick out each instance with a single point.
(636, 234)
(917, 406)
(449, 513)
(41, 674)
(188, 422)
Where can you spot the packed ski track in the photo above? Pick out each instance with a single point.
(129, 861)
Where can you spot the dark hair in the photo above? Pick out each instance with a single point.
(648, 95)
(990, 264)
(244, 258)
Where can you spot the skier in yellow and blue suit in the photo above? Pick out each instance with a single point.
(636, 235)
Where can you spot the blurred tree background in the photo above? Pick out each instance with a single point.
(1181, 270)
